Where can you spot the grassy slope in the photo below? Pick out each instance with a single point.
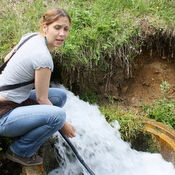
(99, 27)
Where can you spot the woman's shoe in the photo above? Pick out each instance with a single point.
(27, 161)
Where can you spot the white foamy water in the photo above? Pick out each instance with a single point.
(101, 147)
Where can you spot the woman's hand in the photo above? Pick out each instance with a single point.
(68, 130)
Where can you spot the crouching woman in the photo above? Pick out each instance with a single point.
(33, 112)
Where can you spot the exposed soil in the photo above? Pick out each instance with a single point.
(149, 72)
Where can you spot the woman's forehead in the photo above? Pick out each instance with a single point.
(62, 21)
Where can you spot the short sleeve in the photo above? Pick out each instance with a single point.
(43, 60)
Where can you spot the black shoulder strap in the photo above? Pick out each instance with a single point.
(8, 87)
(14, 86)
(4, 64)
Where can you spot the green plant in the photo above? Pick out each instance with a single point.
(132, 129)
(162, 110)
(164, 88)
(89, 96)
(130, 126)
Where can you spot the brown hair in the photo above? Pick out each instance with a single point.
(52, 15)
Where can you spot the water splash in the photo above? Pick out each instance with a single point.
(101, 146)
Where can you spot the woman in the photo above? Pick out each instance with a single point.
(34, 124)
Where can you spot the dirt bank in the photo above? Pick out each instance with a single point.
(150, 70)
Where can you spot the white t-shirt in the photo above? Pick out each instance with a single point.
(32, 55)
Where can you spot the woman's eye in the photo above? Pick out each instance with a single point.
(57, 27)
(60, 27)
(66, 29)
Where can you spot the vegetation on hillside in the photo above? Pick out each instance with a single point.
(162, 109)
(101, 30)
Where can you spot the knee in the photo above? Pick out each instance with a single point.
(57, 116)
(61, 115)
(57, 96)
(63, 97)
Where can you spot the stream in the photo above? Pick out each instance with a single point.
(101, 146)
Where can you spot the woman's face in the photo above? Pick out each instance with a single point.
(57, 32)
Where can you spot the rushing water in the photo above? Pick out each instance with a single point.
(101, 147)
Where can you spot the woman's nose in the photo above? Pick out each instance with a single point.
(61, 32)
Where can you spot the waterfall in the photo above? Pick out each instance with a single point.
(101, 146)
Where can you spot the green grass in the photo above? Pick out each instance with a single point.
(101, 29)
(132, 129)
(130, 126)
(162, 109)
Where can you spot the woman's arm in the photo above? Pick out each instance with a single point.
(42, 82)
